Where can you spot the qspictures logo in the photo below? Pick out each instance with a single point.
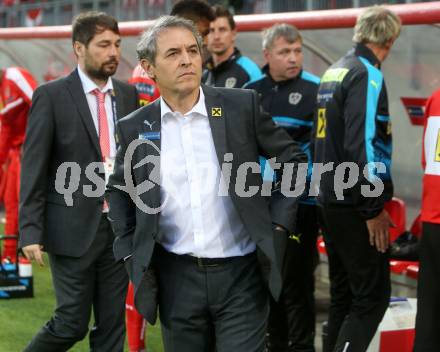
(292, 182)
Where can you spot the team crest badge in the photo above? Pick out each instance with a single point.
(216, 112)
(295, 98)
(230, 82)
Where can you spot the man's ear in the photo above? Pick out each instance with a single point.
(148, 68)
(79, 48)
(389, 44)
(266, 55)
(234, 34)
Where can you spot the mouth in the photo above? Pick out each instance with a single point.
(186, 74)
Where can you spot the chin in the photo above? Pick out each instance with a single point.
(186, 86)
(292, 74)
(110, 72)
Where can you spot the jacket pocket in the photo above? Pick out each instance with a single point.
(56, 198)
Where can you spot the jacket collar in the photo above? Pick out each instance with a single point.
(198, 108)
(79, 98)
(89, 85)
(225, 64)
(266, 72)
(362, 50)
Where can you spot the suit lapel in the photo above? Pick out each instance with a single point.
(217, 121)
(217, 116)
(119, 100)
(151, 124)
(79, 98)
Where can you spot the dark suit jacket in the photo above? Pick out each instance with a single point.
(242, 129)
(60, 129)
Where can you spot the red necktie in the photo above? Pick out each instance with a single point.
(103, 131)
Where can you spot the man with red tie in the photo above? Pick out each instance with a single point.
(70, 144)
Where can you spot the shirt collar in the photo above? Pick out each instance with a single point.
(362, 50)
(234, 56)
(89, 85)
(198, 108)
(266, 72)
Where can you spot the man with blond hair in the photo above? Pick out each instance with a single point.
(353, 127)
(227, 67)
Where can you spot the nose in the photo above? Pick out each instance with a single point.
(185, 58)
(292, 57)
(114, 51)
(216, 34)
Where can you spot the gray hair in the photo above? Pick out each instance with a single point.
(147, 46)
(283, 30)
(377, 25)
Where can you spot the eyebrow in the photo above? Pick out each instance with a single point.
(192, 46)
(171, 50)
(108, 41)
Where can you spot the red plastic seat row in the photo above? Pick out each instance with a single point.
(321, 245)
(396, 208)
(413, 271)
(400, 267)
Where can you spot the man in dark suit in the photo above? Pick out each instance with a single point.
(188, 228)
(71, 127)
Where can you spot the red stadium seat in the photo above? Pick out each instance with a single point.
(401, 340)
(397, 210)
(321, 245)
(399, 266)
(413, 271)
(416, 227)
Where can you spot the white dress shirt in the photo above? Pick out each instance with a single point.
(89, 86)
(195, 219)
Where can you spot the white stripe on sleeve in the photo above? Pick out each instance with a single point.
(432, 146)
(11, 105)
(16, 76)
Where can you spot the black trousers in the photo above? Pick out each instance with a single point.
(292, 318)
(428, 291)
(92, 281)
(205, 308)
(359, 281)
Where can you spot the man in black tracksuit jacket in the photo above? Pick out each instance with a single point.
(235, 72)
(288, 94)
(227, 67)
(353, 126)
